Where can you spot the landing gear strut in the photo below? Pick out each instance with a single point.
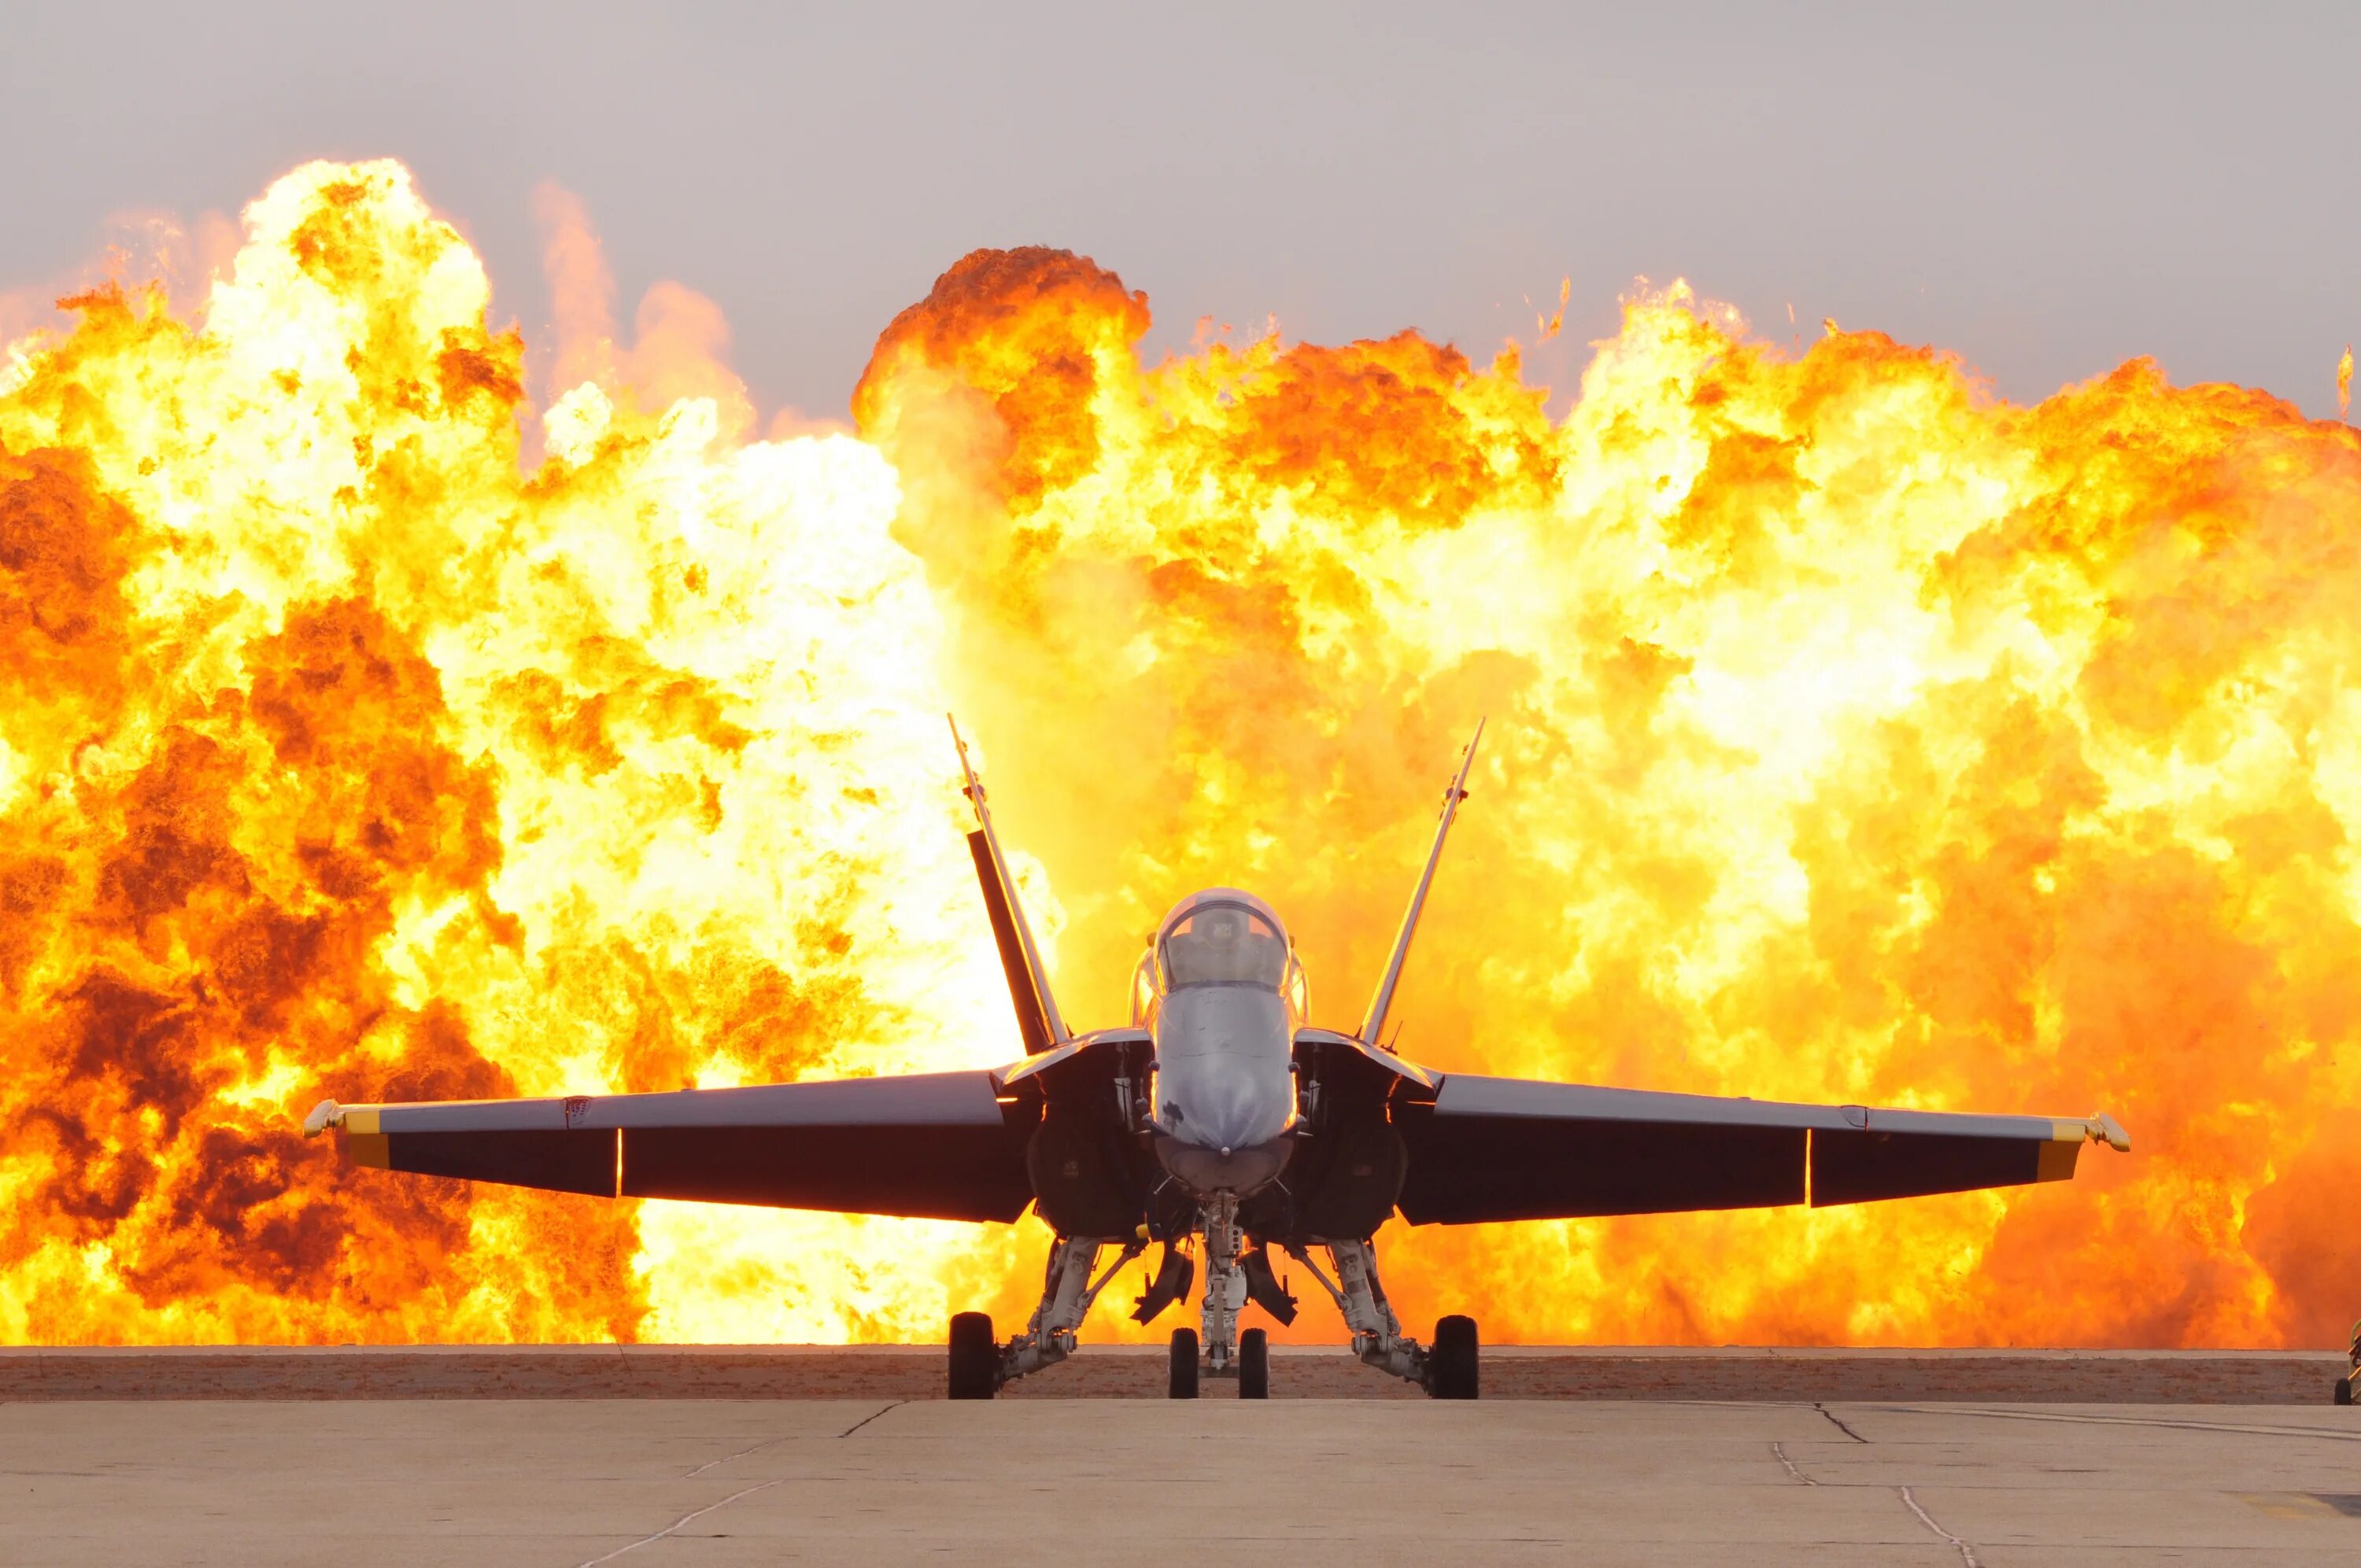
(1448, 1371)
(1068, 1289)
(1226, 1282)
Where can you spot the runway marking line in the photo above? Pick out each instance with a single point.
(2287, 1505)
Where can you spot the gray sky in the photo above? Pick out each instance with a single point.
(2047, 190)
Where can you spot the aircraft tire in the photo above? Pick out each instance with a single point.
(1184, 1364)
(1451, 1363)
(2345, 1390)
(975, 1357)
(1254, 1364)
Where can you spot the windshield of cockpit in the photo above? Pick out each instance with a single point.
(1223, 944)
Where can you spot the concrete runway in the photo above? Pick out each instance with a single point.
(1314, 1481)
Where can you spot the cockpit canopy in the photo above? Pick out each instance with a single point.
(1222, 936)
(1219, 936)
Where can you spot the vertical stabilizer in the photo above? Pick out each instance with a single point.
(1028, 986)
(1382, 1002)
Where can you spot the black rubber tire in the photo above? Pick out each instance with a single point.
(1184, 1363)
(1254, 1364)
(2345, 1390)
(975, 1357)
(1451, 1361)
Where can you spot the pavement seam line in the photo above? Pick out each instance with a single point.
(727, 1458)
(1779, 1452)
(700, 1513)
(774, 1442)
(870, 1417)
(1967, 1552)
(1840, 1425)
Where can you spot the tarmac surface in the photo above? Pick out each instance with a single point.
(362, 1482)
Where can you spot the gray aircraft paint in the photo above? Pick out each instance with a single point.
(1224, 1086)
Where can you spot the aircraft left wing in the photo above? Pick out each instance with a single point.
(1506, 1148)
(934, 1146)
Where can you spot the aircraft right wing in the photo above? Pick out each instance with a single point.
(943, 1146)
(1506, 1148)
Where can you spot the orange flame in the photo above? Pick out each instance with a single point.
(2344, 383)
(1858, 737)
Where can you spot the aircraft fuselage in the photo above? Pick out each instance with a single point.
(1221, 994)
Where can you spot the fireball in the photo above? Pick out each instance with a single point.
(372, 732)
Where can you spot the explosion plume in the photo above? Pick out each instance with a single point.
(1857, 736)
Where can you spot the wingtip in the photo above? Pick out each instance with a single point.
(327, 1113)
(2106, 1129)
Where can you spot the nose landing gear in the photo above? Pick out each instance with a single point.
(1226, 1282)
(1183, 1381)
(1254, 1364)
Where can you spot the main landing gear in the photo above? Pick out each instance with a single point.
(978, 1367)
(1447, 1369)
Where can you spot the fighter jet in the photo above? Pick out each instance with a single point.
(1221, 1125)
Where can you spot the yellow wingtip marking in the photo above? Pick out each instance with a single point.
(2057, 1157)
(360, 1119)
(372, 1150)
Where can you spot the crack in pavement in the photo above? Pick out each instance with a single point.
(1967, 1552)
(1840, 1425)
(870, 1417)
(699, 1514)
